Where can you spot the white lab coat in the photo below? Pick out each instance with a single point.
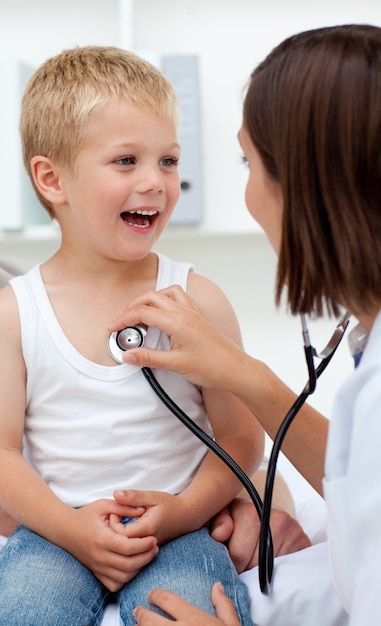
(352, 487)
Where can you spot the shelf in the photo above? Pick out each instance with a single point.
(50, 232)
(37, 243)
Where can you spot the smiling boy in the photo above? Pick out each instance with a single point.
(99, 133)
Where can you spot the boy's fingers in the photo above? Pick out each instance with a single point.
(137, 499)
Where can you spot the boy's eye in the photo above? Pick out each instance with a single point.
(125, 160)
(169, 161)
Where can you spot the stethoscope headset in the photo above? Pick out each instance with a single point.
(133, 337)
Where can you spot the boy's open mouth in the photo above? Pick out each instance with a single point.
(139, 219)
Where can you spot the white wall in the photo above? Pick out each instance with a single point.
(33, 31)
(230, 39)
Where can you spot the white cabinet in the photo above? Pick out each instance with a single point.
(19, 207)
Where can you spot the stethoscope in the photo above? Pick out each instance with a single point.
(133, 337)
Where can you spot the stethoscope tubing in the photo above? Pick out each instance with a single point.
(266, 550)
(204, 437)
(265, 575)
(265, 572)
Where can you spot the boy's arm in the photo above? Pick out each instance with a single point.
(7, 523)
(235, 428)
(25, 496)
(215, 485)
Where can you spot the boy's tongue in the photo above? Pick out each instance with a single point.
(136, 220)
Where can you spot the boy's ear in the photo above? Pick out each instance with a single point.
(47, 178)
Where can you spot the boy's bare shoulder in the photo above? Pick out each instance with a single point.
(8, 306)
(214, 305)
(200, 287)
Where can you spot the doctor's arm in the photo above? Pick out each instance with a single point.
(210, 359)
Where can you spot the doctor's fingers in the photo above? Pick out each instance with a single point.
(221, 526)
(166, 298)
(243, 543)
(149, 308)
(177, 294)
(224, 607)
(146, 617)
(182, 611)
(244, 549)
(288, 535)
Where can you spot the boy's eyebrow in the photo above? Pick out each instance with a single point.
(132, 144)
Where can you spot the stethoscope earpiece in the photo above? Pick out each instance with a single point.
(126, 339)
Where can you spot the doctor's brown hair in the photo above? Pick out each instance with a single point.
(313, 111)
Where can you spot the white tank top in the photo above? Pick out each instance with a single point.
(90, 428)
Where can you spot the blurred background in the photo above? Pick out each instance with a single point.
(224, 41)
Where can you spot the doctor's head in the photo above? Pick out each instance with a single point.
(312, 112)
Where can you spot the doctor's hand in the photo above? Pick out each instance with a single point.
(198, 352)
(184, 613)
(238, 525)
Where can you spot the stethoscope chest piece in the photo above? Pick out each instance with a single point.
(126, 339)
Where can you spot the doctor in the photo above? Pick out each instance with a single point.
(311, 139)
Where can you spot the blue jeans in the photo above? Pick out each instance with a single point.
(43, 585)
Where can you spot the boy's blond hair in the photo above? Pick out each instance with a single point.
(61, 96)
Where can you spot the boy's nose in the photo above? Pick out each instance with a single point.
(151, 180)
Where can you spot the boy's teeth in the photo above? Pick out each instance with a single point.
(139, 219)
